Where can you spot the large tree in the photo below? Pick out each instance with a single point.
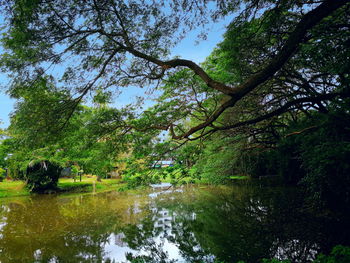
(110, 44)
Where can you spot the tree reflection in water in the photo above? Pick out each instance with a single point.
(242, 223)
(191, 224)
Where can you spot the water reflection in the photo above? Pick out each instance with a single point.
(188, 224)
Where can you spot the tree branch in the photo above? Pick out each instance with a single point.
(296, 37)
(284, 109)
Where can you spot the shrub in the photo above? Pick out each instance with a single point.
(2, 174)
(339, 254)
(325, 155)
(42, 176)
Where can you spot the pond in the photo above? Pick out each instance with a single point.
(162, 224)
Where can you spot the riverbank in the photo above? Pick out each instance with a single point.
(9, 188)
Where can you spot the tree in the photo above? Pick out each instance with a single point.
(37, 156)
(118, 43)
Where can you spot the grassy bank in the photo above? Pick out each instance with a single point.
(87, 185)
(65, 185)
(12, 188)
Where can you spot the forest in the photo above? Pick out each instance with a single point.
(269, 105)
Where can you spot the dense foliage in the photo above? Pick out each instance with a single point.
(270, 57)
(42, 176)
(271, 99)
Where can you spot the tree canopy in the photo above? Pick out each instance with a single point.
(277, 56)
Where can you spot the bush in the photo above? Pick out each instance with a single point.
(219, 160)
(42, 176)
(135, 180)
(2, 174)
(339, 254)
(315, 153)
(325, 155)
(132, 181)
(328, 177)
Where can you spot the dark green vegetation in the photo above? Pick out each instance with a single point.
(187, 223)
(261, 104)
(339, 254)
(42, 175)
(271, 102)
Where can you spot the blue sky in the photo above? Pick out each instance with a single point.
(187, 49)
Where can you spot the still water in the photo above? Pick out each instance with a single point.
(188, 224)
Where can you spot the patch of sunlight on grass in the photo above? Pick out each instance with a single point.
(239, 177)
(12, 188)
(86, 184)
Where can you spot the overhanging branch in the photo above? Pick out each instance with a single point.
(284, 109)
(295, 39)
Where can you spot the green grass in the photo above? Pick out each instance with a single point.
(86, 185)
(12, 188)
(65, 185)
(239, 177)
